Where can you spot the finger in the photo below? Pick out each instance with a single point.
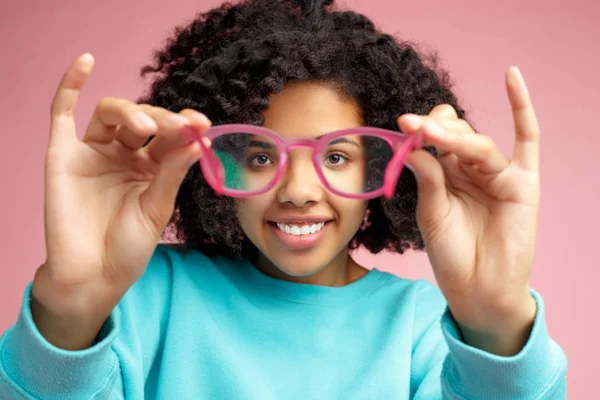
(163, 144)
(168, 122)
(526, 151)
(452, 127)
(410, 123)
(443, 116)
(110, 113)
(443, 112)
(158, 201)
(478, 150)
(414, 124)
(62, 121)
(431, 186)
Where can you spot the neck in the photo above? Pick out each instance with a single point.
(340, 271)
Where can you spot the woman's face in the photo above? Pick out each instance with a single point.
(273, 221)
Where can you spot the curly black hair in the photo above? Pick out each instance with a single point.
(228, 62)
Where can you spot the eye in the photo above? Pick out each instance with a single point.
(335, 159)
(260, 159)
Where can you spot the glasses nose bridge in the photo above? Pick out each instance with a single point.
(297, 144)
(300, 182)
(300, 144)
(298, 165)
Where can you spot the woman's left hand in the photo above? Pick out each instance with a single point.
(477, 212)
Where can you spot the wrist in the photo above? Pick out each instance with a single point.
(504, 331)
(66, 332)
(67, 317)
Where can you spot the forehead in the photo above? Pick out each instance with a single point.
(305, 109)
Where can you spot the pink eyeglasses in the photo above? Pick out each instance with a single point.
(358, 163)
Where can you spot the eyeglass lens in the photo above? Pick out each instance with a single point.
(352, 164)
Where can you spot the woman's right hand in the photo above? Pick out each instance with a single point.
(108, 199)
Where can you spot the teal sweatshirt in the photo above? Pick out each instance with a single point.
(195, 327)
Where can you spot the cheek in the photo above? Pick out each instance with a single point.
(352, 212)
(251, 213)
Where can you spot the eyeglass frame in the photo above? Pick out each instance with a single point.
(213, 170)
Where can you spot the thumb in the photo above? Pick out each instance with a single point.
(431, 186)
(160, 196)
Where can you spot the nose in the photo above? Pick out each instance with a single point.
(300, 184)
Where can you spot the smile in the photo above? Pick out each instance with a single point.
(301, 229)
(299, 234)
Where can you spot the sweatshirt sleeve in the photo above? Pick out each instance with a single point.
(115, 367)
(32, 368)
(459, 371)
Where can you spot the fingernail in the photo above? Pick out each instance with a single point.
(515, 69)
(188, 135)
(143, 120)
(204, 118)
(413, 119)
(434, 128)
(176, 120)
(193, 160)
(87, 58)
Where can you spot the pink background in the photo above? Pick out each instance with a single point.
(555, 43)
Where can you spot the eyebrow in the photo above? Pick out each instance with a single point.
(343, 140)
(267, 145)
(260, 144)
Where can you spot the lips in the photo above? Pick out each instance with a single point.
(300, 220)
(299, 234)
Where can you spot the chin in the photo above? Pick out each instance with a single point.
(301, 264)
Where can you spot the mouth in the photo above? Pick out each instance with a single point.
(300, 228)
(299, 234)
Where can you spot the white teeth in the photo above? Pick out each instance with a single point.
(300, 230)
